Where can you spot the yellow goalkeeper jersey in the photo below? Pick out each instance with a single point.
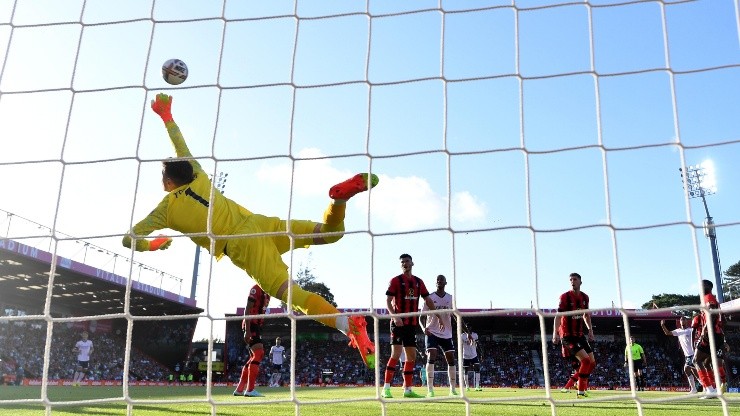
(185, 209)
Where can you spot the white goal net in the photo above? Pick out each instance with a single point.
(515, 142)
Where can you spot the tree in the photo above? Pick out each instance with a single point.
(732, 281)
(733, 271)
(307, 281)
(669, 300)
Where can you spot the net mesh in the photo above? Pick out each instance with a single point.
(488, 121)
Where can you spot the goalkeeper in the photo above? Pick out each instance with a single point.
(186, 207)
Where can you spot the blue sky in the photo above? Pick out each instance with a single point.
(514, 144)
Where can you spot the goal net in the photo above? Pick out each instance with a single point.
(515, 142)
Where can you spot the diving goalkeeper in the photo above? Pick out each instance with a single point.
(186, 206)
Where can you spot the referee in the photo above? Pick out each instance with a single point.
(639, 361)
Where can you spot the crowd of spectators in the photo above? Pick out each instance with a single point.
(163, 334)
(664, 368)
(503, 364)
(509, 364)
(312, 358)
(22, 345)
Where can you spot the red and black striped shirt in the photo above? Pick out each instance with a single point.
(259, 301)
(406, 291)
(697, 323)
(572, 325)
(718, 321)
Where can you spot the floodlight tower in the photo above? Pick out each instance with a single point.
(699, 181)
(220, 184)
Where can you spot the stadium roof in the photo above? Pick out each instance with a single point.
(79, 289)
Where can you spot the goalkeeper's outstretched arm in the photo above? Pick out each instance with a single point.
(156, 220)
(162, 105)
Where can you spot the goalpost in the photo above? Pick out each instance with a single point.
(515, 142)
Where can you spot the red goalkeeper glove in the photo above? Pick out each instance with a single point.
(162, 105)
(160, 243)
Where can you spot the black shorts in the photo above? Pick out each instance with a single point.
(470, 362)
(434, 342)
(638, 364)
(403, 335)
(255, 331)
(719, 341)
(277, 367)
(689, 362)
(83, 364)
(573, 344)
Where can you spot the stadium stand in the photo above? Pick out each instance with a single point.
(509, 353)
(81, 290)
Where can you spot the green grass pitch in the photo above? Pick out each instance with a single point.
(187, 400)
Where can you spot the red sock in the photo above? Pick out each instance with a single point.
(390, 370)
(243, 378)
(571, 381)
(408, 373)
(709, 374)
(704, 378)
(722, 376)
(254, 367)
(583, 372)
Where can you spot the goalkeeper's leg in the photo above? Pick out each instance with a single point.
(308, 233)
(333, 222)
(260, 258)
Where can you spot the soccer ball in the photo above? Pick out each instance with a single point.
(174, 71)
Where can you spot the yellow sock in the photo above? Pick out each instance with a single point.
(316, 305)
(313, 304)
(334, 215)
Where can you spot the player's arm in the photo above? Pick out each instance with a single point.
(479, 351)
(558, 321)
(162, 105)
(587, 320)
(643, 355)
(626, 354)
(663, 327)
(423, 318)
(453, 317)
(248, 322)
(705, 324)
(430, 304)
(156, 220)
(555, 329)
(390, 303)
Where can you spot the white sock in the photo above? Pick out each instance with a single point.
(387, 385)
(692, 383)
(476, 378)
(451, 370)
(430, 377)
(343, 324)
